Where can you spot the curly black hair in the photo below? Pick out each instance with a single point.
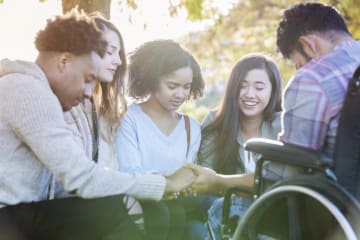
(306, 18)
(156, 59)
(74, 32)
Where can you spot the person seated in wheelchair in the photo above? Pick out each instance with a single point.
(316, 39)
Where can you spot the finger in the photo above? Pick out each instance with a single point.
(192, 166)
(196, 171)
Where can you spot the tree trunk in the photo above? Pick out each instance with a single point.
(102, 6)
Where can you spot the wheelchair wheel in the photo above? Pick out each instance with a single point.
(302, 208)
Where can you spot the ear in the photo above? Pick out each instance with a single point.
(64, 60)
(309, 44)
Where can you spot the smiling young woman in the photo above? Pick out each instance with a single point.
(250, 108)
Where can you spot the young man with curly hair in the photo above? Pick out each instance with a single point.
(37, 148)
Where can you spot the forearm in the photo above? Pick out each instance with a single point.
(224, 182)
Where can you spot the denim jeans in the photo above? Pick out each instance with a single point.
(238, 207)
(69, 218)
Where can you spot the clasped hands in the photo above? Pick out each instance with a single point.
(190, 180)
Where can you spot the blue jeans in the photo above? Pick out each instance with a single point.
(69, 218)
(238, 207)
(197, 208)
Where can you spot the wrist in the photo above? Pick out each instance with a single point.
(221, 183)
(215, 185)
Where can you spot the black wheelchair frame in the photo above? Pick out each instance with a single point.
(322, 203)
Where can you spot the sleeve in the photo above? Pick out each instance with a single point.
(208, 119)
(305, 114)
(276, 125)
(76, 122)
(34, 113)
(127, 145)
(205, 155)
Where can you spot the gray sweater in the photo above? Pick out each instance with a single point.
(36, 145)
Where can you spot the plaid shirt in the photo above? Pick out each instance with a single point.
(313, 98)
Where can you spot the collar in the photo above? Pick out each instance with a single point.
(345, 43)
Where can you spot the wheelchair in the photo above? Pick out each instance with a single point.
(322, 203)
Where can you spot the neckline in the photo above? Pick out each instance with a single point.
(154, 125)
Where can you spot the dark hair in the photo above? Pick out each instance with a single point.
(303, 19)
(74, 32)
(225, 126)
(109, 96)
(156, 59)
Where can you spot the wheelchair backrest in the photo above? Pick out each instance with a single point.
(347, 147)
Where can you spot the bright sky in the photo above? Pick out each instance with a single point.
(21, 19)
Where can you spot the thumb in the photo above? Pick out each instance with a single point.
(195, 168)
(191, 166)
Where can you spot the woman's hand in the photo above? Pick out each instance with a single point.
(206, 181)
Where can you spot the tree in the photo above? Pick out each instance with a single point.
(102, 6)
(194, 8)
(351, 12)
(251, 27)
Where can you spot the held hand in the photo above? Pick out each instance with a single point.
(179, 180)
(206, 180)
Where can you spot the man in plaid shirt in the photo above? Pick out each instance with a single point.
(315, 38)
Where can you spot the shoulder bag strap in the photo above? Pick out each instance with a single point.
(188, 132)
(95, 125)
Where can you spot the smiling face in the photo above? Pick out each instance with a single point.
(255, 93)
(111, 60)
(174, 89)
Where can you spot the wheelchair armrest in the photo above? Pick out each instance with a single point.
(277, 151)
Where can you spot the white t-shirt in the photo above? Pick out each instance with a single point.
(249, 162)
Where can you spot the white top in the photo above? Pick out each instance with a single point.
(142, 147)
(249, 162)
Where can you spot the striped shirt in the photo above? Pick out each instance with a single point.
(313, 98)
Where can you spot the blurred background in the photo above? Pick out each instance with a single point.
(217, 32)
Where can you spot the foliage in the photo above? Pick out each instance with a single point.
(250, 27)
(192, 109)
(196, 9)
(102, 6)
(351, 12)
(132, 4)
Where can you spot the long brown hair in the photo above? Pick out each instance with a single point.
(109, 96)
(223, 130)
